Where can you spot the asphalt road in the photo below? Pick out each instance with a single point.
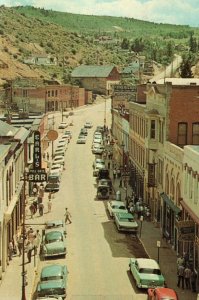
(98, 255)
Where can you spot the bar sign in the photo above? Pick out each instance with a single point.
(37, 151)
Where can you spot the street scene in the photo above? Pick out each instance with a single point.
(97, 254)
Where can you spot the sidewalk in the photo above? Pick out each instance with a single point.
(149, 235)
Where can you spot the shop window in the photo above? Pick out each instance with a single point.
(152, 131)
(48, 93)
(56, 93)
(53, 93)
(182, 134)
(195, 133)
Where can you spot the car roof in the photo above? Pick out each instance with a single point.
(147, 263)
(54, 223)
(165, 292)
(114, 202)
(48, 270)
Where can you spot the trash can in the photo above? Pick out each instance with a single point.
(118, 196)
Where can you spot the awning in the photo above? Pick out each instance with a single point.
(170, 203)
(190, 212)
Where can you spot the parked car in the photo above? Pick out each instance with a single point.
(146, 272)
(98, 160)
(59, 160)
(97, 134)
(54, 177)
(59, 152)
(52, 187)
(54, 224)
(65, 137)
(88, 125)
(162, 293)
(53, 243)
(97, 149)
(102, 191)
(56, 168)
(53, 281)
(84, 131)
(99, 129)
(103, 174)
(62, 146)
(68, 132)
(49, 298)
(116, 207)
(81, 140)
(63, 125)
(125, 222)
(98, 166)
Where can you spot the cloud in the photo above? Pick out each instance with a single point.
(161, 11)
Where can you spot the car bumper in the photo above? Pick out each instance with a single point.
(54, 254)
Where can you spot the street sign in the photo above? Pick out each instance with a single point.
(37, 151)
(52, 135)
(37, 175)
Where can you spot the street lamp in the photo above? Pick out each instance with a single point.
(24, 272)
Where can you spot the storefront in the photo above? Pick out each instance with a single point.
(170, 214)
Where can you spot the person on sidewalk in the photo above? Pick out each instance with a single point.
(67, 216)
(187, 277)
(181, 276)
(41, 209)
(29, 251)
(193, 280)
(49, 205)
(20, 244)
(10, 250)
(114, 174)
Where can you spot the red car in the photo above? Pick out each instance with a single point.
(161, 293)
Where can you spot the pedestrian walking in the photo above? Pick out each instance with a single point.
(35, 190)
(180, 261)
(29, 251)
(114, 173)
(41, 209)
(20, 244)
(187, 277)
(109, 165)
(118, 173)
(36, 241)
(32, 210)
(67, 216)
(181, 276)
(10, 250)
(49, 205)
(193, 280)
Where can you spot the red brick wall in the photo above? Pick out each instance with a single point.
(141, 96)
(82, 97)
(184, 107)
(114, 75)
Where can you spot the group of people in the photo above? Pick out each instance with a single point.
(37, 204)
(29, 239)
(186, 274)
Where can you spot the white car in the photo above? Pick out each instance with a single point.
(63, 125)
(97, 141)
(56, 168)
(81, 140)
(61, 146)
(97, 149)
(59, 160)
(98, 161)
(88, 125)
(116, 206)
(97, 134)
(60, 152)
(98, 166)
(65, 137)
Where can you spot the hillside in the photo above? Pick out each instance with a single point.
(76, 39)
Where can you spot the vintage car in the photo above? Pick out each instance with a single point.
(162, 293)
(116, 207)
(97, 149)
(56, 224)
(88, 125)
(125, 222)
(98, 166)
(146, 272)
(53, 243)
(98, 161)
(49, 298)
(53, 281)
(81, 139)
(62, 125)
(102, 191)
(52, 187)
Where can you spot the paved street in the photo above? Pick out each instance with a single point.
(98, 255)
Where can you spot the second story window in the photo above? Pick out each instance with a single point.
(182, 134)
(195, 134)
(152, 132)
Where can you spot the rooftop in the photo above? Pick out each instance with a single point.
(180, 81)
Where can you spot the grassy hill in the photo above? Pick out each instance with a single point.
(78, 39)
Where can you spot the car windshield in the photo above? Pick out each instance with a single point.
(55, 277)
(149, 271)
(53, 237)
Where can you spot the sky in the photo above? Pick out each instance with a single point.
(180, 12)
